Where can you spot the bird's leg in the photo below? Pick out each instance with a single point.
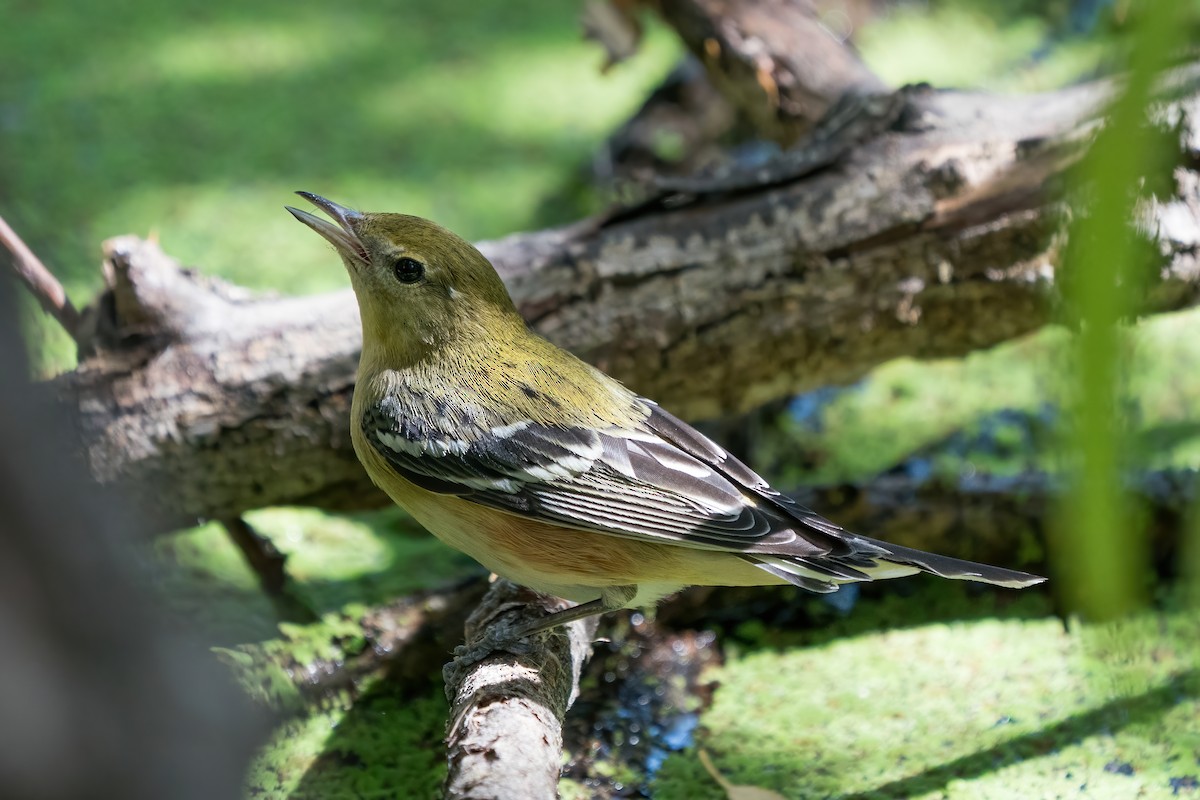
(506, 637)
(611, 598)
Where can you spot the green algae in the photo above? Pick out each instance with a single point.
(907, 405)
(334, 562)
(276, 671)
(1005, 708)
(388, 744)
(202, 577)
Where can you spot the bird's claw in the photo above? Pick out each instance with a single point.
(496, 639)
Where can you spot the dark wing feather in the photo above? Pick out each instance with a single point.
(661, 481)
(853, 557)
(630, 482)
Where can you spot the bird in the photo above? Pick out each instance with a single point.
(546, 470)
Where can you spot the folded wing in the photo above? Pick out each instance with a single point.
(659, 481)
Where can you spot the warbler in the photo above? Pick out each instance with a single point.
(544, 469)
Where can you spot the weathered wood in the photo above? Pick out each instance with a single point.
(932, 240)
(762, 71)
(504, 738)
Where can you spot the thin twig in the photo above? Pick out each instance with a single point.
(262, 556)
(44, 286)
(270, 566)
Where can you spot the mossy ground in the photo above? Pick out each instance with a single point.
(386, 745)
(387, 734)
(197, 122)
(1015, 706)
(907, 406)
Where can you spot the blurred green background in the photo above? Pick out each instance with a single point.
(195, 122)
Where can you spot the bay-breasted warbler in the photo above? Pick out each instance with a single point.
(544, 469)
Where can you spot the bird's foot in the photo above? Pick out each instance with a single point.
(497, 638)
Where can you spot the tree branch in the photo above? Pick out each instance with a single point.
(204, 401)
(40, 281)
(504, 738)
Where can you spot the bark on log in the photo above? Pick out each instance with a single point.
(761, 70)
(504, 738)
(932, 240)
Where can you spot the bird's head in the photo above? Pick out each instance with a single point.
(418, 285)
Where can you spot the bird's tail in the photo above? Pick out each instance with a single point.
(871, 560)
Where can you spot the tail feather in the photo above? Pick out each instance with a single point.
(957, 568)
(795, 575)
(871, 559)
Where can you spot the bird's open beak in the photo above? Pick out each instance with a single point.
(342, 235)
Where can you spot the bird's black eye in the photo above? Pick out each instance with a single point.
(408, 270)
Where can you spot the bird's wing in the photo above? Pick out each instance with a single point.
(659, 481)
